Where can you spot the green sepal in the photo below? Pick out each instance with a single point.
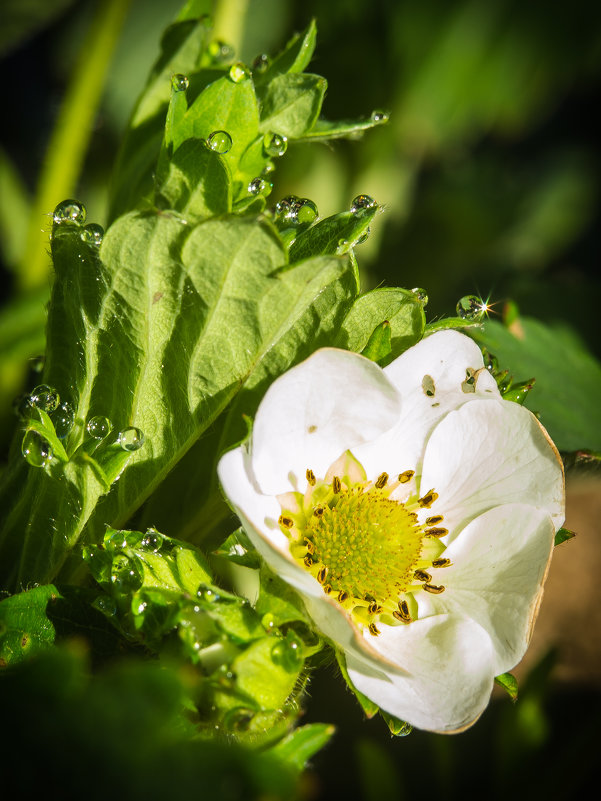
(399, 307)
(369, 707)
(563, 535)
(238, 548)
(334, 235)
(518, 392)
(509, 683)
(399, 728)
(297, 748)
(379, 345)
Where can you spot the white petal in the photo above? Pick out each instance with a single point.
(313, 413)
(499, 564)
(489, 453)
(438, 363)
(448, 672)
(259, 514)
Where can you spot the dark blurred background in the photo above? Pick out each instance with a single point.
(489, 177)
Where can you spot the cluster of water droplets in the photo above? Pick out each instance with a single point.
(295, 211)
(71, 215)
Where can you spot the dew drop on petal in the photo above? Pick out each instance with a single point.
(274, 145)
(99, 426)
(92, 234)
(69, 211)
(131, 439)
(220, 142)
(179, 82)
(471, 307)
(239, 72)
(362, 202)
(421, 295)
(35, 449)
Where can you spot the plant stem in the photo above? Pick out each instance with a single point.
(229, 18)
(71, 135)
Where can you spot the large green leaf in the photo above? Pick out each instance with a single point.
(568, 377)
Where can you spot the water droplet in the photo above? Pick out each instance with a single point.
(92, 234)
(63, 418)
(293, 210)
(98, 427)
(36, 449)
(115, 539)
(131, 439)
(69, 211)
(238, 719)
(45, 398)
(363, 238)
(22, 406)
(306, 212)
(179, 82)
(125, 575)
(342, 246)
(284, 207)
(220, 51)
(106, 605)
(362, 202)
(421, 295)
(36, 363)
(152, 540)
(274, 145)
(288, 652)
(220, 142)
(259, 186)
(380, 116)
(490, 361)
(260, 63)
(471, 307)
(207, 594)
(268, 621)
(239, 72)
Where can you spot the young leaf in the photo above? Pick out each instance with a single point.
(294, 58)
(291, 104)
(509, 683)
(563, 535)
(336, 234)
(297, 748)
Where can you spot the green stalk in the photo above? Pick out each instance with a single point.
(71, 135)
(229, 18)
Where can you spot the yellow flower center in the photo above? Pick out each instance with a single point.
(367, 548)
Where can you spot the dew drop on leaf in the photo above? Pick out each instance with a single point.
(260, 63)
(207, 594)
(69, 211)
(125, 575)
(259, 186)
(421, 295)
(305, 212)
(92, 234)
(131, 439)
(274, 145)
(153, 540)
(219, 142)
(288, 653)
(63, 418)
(471, 307)
(220, 51)
(45, 398)
(36, 363)
(98, 427)
(36, 449)
(362, 202)
(179, 82)
(239, 72)
(22, 406)
(380, 116)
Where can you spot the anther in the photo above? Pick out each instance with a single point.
(428, 499)
(382, 480)
(285, 521)
(318, 511)
(421, 575)
(434, 520)
(374, 608)
(342, 596)
(404, 611)
(406, 476)
(310, 546)
(441, 562)
(437, 532)
(433, 588)
(311, 477)
(400, 617)
(336, 485)
(327, 588)
(308, 561)
(322, 573)
(373, 629)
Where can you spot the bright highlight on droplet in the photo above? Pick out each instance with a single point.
(219, 142)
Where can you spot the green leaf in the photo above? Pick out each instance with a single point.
(369, 707)
(255, 664)
(379, 345)
(297, 748)
(24, 625)
(563, 535)
(294, 58)
(399, 307)
(334, 235)
(568, 377)
(278, 600)
(238, 549)
(323, 130)
(291, 104)
(509, 683)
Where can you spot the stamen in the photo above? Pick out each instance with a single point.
(428, 499)
(434, 520)
(310, 546)
(374, 608)
(308, 561)
(322, 573)
(441, 562)
(403, 612)
(327, 588)
(311, 477)
(336, 485)
(318, 511)
(406, 476)
(373, 629)
(285, 521)
(433, 588)
(421, 575)
(382, 480)
(436, 532)
(342, 596)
